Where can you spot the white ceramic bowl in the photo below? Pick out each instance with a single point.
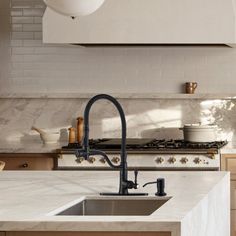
(50, 137)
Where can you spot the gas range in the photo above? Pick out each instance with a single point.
(147, 154)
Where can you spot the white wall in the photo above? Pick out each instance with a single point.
(29, 66)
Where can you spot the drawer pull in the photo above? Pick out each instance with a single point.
(25, 165)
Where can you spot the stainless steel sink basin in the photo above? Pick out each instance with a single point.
(114, 207)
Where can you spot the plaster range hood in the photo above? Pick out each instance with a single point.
(147, 22)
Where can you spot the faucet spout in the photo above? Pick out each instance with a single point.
(123, 154)
(85, 152)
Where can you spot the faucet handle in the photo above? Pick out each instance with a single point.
(133, 184)
(78, 153)
(81, 153)
(136, 179)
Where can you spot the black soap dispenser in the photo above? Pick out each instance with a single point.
(160, 187)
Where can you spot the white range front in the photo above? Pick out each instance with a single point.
(149, 161)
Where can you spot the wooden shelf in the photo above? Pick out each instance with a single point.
(120, 95)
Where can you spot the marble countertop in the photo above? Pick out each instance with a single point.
(28, 199)
(29, 147)
(230, 148)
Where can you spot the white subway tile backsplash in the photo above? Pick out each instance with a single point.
(38, 20)
(54, 50)
(16, 58)
(21, 4)
(32, 27)
(38, 35)
(150, 69)
(39, 4)
(16, 12)
(17, 43)
(33, 12)
(16, 27)
(22, 35)
(16, 73)
(22, 20)
(27, 3)
(32, 43)
(23, 50)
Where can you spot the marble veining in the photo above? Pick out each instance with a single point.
(32, 146)
(146, 118)
(27, 198)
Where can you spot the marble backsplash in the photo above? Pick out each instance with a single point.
(156, 118)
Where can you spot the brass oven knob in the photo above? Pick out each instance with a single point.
(184, 160)
(103, 160)
(197, 160)
(115, 160)
(91, 160)
(79, 159)
(159, 160)
(25, 165)
(172, 160)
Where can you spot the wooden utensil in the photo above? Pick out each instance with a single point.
(38, 130)
(72, 136)
(80, 129)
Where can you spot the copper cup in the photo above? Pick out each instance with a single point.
(190, 87)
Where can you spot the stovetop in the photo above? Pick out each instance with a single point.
(150, 145)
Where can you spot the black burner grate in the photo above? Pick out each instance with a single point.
(149, 144)
(181, 144)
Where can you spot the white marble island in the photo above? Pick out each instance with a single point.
(199, 204)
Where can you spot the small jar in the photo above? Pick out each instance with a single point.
(72, 135)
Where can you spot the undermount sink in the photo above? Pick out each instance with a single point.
(113, 207)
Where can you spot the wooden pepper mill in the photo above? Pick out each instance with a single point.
(72, 136)
(80, 129)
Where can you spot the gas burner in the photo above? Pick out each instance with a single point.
(181, 144)
(149, 145)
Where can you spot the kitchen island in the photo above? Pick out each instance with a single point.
(198, 204)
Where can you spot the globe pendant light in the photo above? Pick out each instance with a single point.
(74, 8)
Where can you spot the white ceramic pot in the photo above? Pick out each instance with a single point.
(199, 133)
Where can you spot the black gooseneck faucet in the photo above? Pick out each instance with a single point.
(86, 152)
